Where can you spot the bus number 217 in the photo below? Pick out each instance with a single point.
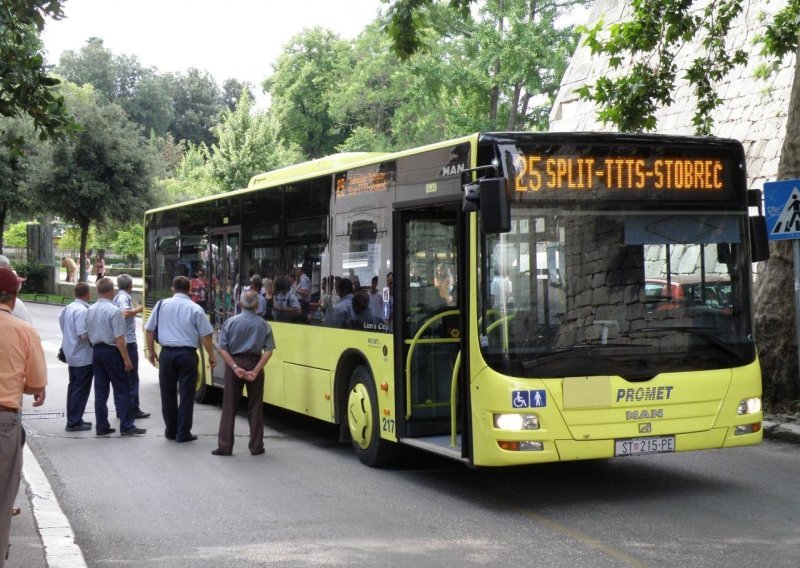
(388, 425)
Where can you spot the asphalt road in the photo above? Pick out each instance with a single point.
(308, 502)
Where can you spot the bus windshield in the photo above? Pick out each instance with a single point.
(570, 292)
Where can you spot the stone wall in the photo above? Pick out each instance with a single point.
(754, 111)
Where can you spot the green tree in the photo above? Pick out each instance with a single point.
(641, 49)
(192, 179)
(25, 86)
(305, 75)
(129, 242)
(248, 145)
(232, 91)
(16, 235)
(102, 176)
(198, 104)
(15, 161)
(71, 240)
(145, 95)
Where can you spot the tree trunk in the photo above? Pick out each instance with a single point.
(82, 259)
(494, 94)
(775, 309)
(512, 111)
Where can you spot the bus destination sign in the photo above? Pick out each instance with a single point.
(358, 182)
(537, 172)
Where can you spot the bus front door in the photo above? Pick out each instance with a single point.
(224, 284)
(430, 324)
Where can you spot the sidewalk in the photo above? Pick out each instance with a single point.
(41, 535)
(27, 549)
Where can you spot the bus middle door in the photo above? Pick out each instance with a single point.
(429, 326)
(225, 287)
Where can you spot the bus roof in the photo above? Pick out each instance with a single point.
(321, 166)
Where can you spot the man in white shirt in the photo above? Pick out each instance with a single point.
(78, 351)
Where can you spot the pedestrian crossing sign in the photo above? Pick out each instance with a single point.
(782, 204)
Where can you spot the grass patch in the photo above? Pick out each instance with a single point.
(46, 298)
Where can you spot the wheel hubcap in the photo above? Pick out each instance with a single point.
(359, 416)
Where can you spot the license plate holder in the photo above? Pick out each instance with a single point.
(644, 446)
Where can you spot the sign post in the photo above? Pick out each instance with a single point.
(782, 204)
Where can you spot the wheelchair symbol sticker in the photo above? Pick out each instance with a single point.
(520, 399)
(529, 399)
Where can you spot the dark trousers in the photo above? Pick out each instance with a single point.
(232, 396)
(109, 371)
(177, 375)
(133, 353)
(78, 390)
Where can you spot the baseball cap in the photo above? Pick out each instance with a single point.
(9, 281)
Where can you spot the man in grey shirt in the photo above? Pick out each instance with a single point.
(105, 327)
(124, 302)
(245, 344)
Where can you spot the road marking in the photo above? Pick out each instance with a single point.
(59, 541)
(577, 536)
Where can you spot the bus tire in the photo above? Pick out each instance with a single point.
(363, 420)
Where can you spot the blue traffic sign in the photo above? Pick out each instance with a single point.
(782, 204)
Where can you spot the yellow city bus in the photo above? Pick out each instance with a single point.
(517, 290)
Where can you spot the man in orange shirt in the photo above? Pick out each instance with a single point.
(22, 371)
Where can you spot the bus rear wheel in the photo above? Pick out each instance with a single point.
(363, 420)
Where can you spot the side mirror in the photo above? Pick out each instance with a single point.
(488, 195)
(759, 240)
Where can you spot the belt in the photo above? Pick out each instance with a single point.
(170, 347)
(8, 409)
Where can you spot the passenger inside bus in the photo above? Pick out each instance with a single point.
(443, 282)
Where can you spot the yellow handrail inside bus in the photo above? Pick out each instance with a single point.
(453, 393)
(416, 340)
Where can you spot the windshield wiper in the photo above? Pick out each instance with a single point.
(699, 332)
(553, 355)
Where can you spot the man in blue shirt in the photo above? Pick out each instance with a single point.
(78, 351)
(182, 327)
(124, 302)
(245, 344)
(111, 362)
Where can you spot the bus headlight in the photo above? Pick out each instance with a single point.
(750, 406)
(516, 422)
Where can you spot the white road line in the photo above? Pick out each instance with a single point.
(59, 541)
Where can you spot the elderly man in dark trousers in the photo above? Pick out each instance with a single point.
(78, 351)
(110, 362)
(23, 370)
(245, 344)
(124, 302)
(182, 326)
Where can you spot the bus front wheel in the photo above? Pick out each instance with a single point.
(363, 420)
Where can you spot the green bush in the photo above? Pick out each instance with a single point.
(35, 274)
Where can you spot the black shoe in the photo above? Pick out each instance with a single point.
(142, 414)
(219, 452)
(89, 424)
(78, 428)
(133, 431)
(258, 452)
(106, 432)
(191, 438)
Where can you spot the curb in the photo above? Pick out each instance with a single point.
(786, 432)
(54, 528)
